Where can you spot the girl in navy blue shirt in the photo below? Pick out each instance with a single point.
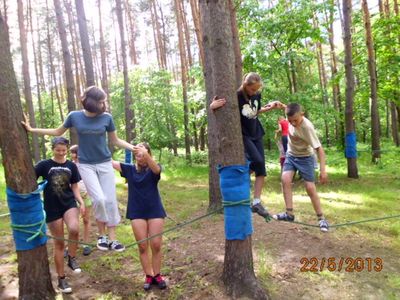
(145, 210)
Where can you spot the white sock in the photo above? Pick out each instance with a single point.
(256, 201)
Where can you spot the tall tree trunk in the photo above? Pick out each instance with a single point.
(27, 79)
(129, 113)
(19, 173)
(322, 80)
(182, 54)
(375, 145)
(352, 170)
(236, 44)
(52, 67)
(194, 5)
(103, 56)
(35, 63)
(238, 274)
(132, 32)
(69, 76)
(83, 32)
(336, 96)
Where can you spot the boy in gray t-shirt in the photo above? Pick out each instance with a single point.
(303, 141)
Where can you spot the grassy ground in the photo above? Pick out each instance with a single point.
(184, 190)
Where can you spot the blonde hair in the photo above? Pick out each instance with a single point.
(249, 79)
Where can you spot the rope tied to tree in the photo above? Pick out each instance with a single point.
(26, 211)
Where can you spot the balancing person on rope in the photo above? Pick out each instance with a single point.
(60, 196)
(302, 142)
(249, 98)
(145, 210)
(92, 124)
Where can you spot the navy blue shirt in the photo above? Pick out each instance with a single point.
(93, 148)
(144, 201)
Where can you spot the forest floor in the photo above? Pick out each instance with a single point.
(194, 257)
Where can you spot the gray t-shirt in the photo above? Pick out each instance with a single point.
(93, 148)
(303, 139)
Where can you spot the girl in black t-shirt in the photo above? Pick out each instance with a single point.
(60, 196)
(249, 98)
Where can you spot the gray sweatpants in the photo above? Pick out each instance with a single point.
(99, 180)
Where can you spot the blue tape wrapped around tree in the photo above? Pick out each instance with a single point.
(235, 188)
(351, 145)
(27, 218)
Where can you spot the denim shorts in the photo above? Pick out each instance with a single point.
(304, 164)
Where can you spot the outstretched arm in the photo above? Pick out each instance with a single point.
(272, 105)
(44, 131)
(116, 141)
(217, 103)
(116, 165)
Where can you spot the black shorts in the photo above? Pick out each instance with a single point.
(254, 150)
(55, 215)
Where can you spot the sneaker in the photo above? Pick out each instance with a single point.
(147, 282)
(284, 217)
(65, 252)
(73, 264)
(86, 250)
(116, 246)
(63, 286)
(259, 209)
(102, 243)
(159, 281)
(323, 225)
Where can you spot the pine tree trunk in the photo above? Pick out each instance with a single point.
(194, 5)
(132, 32)
(83, 32)
(69, 76)
(236, 44)
(238, 274)
(103, 56)
(182, 54)
(129, 114)
(35, 62)
(27, 79)
(375, 137)
(19, 173)
(352, 170)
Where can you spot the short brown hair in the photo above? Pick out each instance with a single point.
(292, 109)
(90, 98)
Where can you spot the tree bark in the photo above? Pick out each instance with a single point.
(352, 170)
(19, 173)
(194, 5)
(83, 32)
(238, 274)
(103, 57)
(69, 76)
(132, 32)
(375, 136)
(129, 113)
(27, 79)
(182, 54)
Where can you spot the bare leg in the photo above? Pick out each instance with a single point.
(86, 224)
(57, 230)
(141, 231)
(155, 227)
(258, 185)
(287, 177)
(312, 193)
(71, 219)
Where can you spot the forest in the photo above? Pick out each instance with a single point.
(153, 58)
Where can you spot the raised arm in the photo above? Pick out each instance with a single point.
(151, 163)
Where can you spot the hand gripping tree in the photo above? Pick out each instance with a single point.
(238, 274)
(33, 265)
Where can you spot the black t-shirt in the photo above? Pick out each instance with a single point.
(251, 126)
(57, 193)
